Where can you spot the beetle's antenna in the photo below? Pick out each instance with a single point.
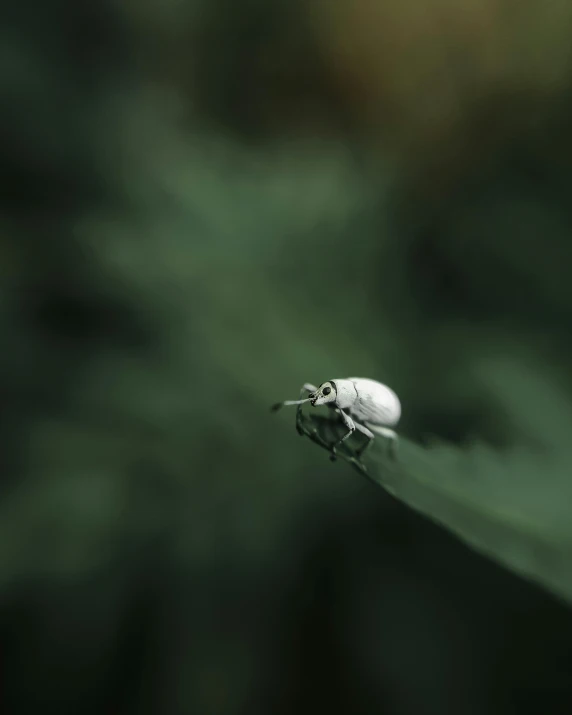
(287, 403)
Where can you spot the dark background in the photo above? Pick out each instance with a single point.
(204, 205)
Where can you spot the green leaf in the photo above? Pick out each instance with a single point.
(514, 507)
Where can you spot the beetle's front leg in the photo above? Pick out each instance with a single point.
(349, 423)
(306, 387)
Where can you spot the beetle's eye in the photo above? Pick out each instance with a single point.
(326, 390)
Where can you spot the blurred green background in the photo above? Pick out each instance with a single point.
(205, 205)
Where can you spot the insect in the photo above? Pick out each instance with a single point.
(364, 405)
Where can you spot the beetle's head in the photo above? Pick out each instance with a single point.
(324, 394)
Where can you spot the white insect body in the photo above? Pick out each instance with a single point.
(363, 404)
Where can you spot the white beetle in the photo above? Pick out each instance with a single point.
(363, 404)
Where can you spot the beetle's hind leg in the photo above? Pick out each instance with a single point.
(391, 438)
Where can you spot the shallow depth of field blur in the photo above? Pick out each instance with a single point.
(205, 205)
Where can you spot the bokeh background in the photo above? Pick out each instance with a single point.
(205, 205)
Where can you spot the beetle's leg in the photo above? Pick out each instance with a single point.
(368, 433)
(349, 423)
(392, 438)
(306, 387)
(286, 403)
